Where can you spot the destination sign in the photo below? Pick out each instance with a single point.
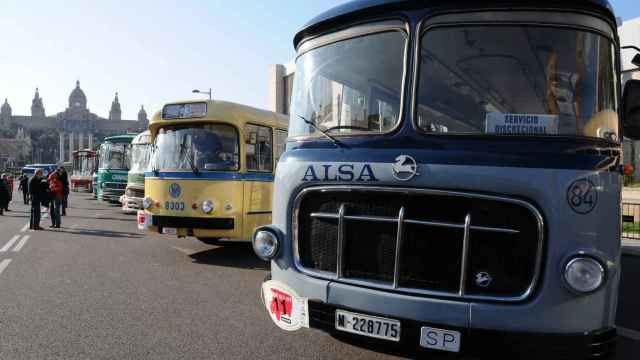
(521, 124)
(184, 111)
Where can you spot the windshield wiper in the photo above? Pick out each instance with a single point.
(335, 141)
(189, 155)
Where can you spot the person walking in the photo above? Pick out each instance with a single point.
(56, 189)
(4, 194)
(8, 184)
(24, 187)
(38, 193)
(64, 177)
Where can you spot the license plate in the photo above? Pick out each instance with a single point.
(372, 326)
(169, 231)
(446, 340)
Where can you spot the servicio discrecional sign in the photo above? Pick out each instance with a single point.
(521, 124)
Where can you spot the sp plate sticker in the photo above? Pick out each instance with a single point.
(286, 308)
(582, 196)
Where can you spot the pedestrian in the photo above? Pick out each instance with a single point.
(8, 185)
(64, 177)
(56, 189)
(4, 194)
(38, 193)
(24, 187)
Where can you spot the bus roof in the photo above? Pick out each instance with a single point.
(226, 111)
(142, 138)
(125, 138)
(357, 10)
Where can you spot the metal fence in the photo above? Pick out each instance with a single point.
(631, 221)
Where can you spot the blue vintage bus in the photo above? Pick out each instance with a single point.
(452, 178)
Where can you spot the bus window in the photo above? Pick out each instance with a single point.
(259, 147)
(281, 142)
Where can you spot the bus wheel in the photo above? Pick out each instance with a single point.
(210, 241)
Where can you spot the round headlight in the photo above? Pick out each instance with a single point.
(207, 206)
(147, 202)
(584, 274)
(265, 244)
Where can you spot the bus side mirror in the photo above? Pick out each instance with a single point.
(631, 109)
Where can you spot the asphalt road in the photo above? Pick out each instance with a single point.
(99, 289)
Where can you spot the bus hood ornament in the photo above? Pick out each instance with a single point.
(483, 279)
(405, 168)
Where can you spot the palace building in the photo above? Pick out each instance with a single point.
(76, 127)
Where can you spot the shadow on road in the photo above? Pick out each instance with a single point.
(100, 233)
(231, 254)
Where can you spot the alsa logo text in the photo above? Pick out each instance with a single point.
(344, 172)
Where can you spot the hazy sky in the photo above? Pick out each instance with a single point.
(151, 51)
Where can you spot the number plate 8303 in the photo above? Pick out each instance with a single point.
(173, 205)
(372, 326)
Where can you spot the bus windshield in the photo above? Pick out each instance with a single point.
(115, 156)
(140, 157)
(351, 86)
(196, 147)
(517, 80)
(83, 164)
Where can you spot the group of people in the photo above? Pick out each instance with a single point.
(6, 192)
(51, 192)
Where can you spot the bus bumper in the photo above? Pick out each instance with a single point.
(321, 299)
(597, 344)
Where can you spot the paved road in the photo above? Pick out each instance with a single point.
(99, 289)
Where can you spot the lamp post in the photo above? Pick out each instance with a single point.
(196, 91)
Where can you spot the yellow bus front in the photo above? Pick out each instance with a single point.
(200, 182)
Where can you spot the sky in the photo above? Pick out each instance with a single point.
(152, 52)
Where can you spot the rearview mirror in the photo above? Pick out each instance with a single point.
(636, 60)
(631, 109)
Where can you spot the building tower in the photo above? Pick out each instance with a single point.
(37, 109)
(115, 113)
(5, 114)
(77, 99)
(143, 120)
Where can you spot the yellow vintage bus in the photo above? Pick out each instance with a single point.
(211, 170)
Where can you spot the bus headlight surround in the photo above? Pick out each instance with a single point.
(265, 244)
(147, 202)
(583, 274)
(207, 206)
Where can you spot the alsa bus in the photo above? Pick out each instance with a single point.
(83, 169)
(212, 169)
(113, 167)
(452, 178)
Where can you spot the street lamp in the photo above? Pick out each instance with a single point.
(196, 91)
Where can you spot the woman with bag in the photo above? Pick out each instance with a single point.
(56, 188)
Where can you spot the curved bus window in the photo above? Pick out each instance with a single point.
(258, 147)
(281, 143)
(517, 80)
(115, 156)
(196, 147)
(350, 86)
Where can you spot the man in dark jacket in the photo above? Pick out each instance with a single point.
(38, 192)
(64, 177)
(24, 187)
(4, 194)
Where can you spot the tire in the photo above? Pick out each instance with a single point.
(210, 241)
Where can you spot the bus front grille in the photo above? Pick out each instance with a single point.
(430, 242)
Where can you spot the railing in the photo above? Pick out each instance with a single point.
(631, 221)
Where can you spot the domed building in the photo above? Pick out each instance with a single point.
(76, 127)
